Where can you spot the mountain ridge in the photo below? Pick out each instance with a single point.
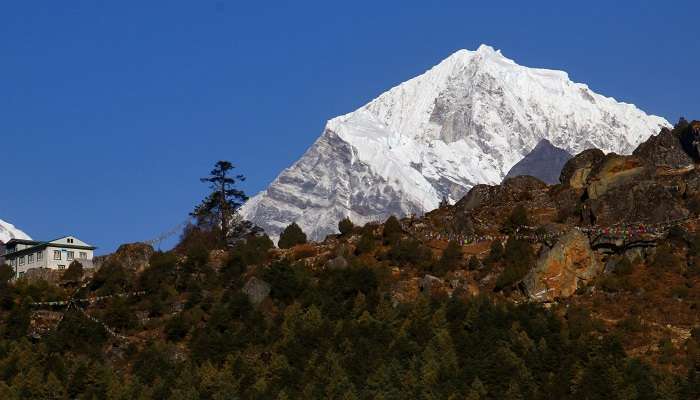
(544, 162)
(9, 231)
(466, 121)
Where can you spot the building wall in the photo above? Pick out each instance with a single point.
(64, 261)
(19, 269)
(47, 259)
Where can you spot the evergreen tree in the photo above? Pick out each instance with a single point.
(450, 260)
(217, 210)
(518, 258)
(392, 230)
(74, 273)
(6, 273)
(291, 236)
(495, 253)
(345, 226)
(474, 263)
(517, 219)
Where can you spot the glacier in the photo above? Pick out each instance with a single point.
(465, 121)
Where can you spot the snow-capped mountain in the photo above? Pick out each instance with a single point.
(467, 120)
(544, 162)
(8, 231)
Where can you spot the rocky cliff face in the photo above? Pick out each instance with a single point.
(464, 122)
(570, 264)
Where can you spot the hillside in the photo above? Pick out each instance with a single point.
(586, 289)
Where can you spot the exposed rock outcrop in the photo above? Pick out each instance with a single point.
(575, 171)
(664, 149)
(132, 256)
(563, 268)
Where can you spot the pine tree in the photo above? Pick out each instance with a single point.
(217, 210)
(291, 236)
(392, 230)
(345, 226)
(74, 273)
(450, 260)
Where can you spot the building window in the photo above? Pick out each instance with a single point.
(83, 255)
(31, 258)
(57, 254)
(21, 260)
(61, 267)
(39, 256)
(70, 240)
(69, 255)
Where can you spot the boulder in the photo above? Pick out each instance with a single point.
(218, 258)
(257, 290)
(562, 269)
(519, 188)
(664, 150)
(431, 284)
(689, 136)
(614, 171)
(575, 171)
(337, 263)
(132, 256)
(647, 201)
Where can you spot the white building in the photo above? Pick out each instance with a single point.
(23, 255)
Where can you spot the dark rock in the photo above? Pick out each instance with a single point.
(664, 150)
(429, 284)
(575, 171)
(338, 262)
(689, 136)
(519, 188)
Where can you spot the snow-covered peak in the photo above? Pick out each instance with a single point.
(465, 121)
(8, 231)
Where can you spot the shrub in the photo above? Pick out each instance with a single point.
(474, 263)
(291, 236)
(303, 251)
(665, 259)
(392, 230)
(118, 315)
(112, 278)
(6, 273)
(450, 260)
(517, 219)
(367, 242)
(176, 328)
(345, 226)
(495, 253)
(74, 273)
(286, 283)
(251, 251)
(412, 252)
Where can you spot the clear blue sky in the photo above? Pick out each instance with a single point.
(111, 111)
